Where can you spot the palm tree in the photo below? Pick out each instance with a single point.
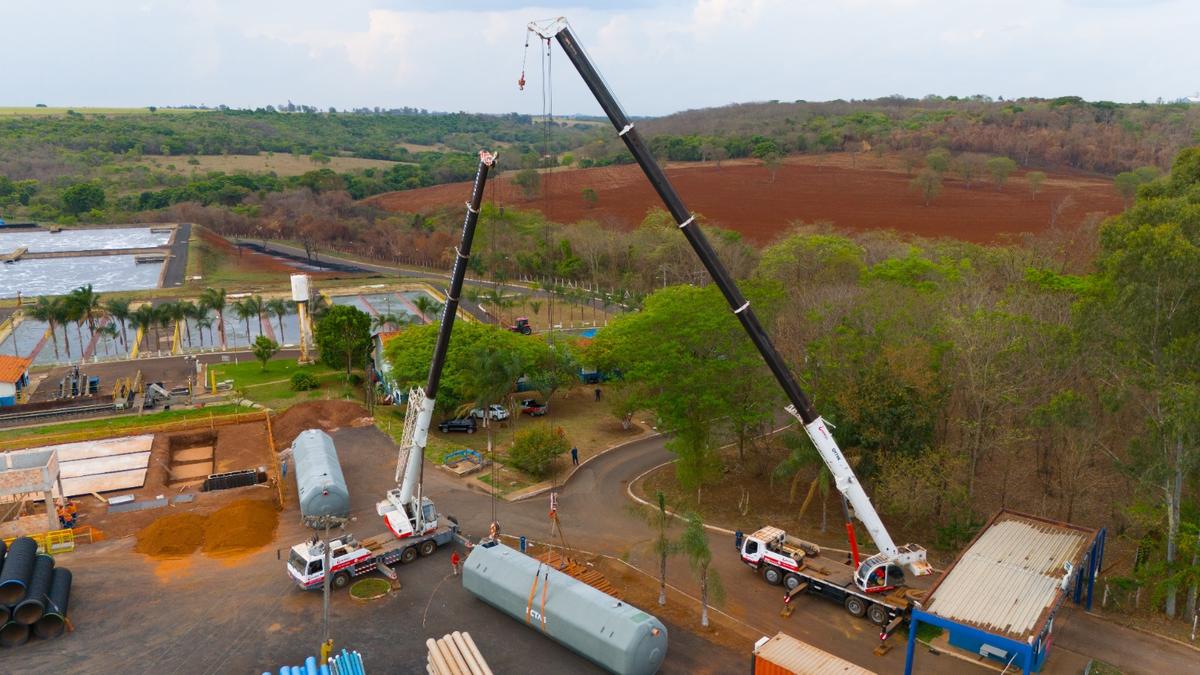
(214, 299)
(244, 309)
(164, 314)
(46, 310)
(189, 310)
(259, 306)
(425, 305)
(202, 322)
(87, 302)
(694, 544)
(664, 547)
(118, 308)
(379, 321)
(143, 318)
(105, 333)
(279, 308)
(66, 312)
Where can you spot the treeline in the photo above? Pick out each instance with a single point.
(1064, 132)
(961, 379)
(233, 132)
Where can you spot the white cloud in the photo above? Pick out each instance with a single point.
(658, 56)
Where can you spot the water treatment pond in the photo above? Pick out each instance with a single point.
(56, 276)
(105, 239)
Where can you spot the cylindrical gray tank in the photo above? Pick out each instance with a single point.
(29, 610)
(18, 566)
(611, 633)
(53, 621)
(319, 480)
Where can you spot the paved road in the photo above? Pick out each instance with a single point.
(177, 261)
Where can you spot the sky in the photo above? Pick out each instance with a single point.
(658, 56)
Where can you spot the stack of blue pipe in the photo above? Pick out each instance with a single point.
(346, 663)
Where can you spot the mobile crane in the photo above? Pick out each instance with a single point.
(404, 510)
(411, 518)
(780, 558)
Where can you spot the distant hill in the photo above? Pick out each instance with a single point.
(1066, 132)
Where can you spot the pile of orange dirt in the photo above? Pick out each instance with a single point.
(324, 415)
(242, 525)
(178, 534)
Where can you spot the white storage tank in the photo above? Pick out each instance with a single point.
(319, 480)
(300, 287)
(611, 633)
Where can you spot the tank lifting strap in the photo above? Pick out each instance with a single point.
(460, 253)
(687, 222)
(628, 128)
(475, 211)
(743, 308)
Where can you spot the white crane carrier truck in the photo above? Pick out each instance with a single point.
(780, 558)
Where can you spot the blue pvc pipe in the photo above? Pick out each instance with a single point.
(323, 670)
(310, 665)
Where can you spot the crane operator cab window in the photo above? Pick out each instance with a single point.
(751, 548)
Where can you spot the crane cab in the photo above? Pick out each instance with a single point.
(878, 574)
(400, 518)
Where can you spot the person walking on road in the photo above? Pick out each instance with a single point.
(455, 561)
(574, 456)
(597, 393)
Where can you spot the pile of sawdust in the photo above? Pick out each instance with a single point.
(245, 524)
(324, 415)
(239, 527)
(177, 534)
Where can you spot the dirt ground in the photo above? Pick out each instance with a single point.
(327, 415)
(872, 194)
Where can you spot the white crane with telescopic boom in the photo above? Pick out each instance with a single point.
(404, 510)
(867, 572)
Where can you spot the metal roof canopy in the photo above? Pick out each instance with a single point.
(27, 472)
(1012, 575)
(797, 656)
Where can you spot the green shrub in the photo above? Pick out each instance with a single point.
(534, 448)
(303, 381)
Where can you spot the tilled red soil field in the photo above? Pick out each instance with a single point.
(742, 197)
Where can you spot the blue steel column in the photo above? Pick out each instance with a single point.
(912, 644)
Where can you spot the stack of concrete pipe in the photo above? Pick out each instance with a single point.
(33, 593)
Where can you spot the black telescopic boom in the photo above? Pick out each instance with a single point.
(686, 221)
(450, 310)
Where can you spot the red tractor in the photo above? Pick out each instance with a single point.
(522, 326)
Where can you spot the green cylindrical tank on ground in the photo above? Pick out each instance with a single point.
(319, 481)
(609, 632)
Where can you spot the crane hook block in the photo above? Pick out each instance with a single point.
(521, 82)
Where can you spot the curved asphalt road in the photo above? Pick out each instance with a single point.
(594, 509)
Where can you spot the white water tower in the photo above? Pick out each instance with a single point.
(301, 296)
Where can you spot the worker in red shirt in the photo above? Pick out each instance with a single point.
(454, 562)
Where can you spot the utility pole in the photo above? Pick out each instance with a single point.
(319, 523)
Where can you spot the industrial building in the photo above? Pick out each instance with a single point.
(999, 599)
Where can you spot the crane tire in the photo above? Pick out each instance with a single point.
(772, 575)
(427, 547)
(856, 605)
(340, 580)
(408, 555)
(878, 614)
(791, 581)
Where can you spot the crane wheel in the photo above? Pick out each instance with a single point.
(856, 605)
(427, 547)
(340, 580)
(878, 614)
(772, 575)
(791, 581)
(409, 555)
